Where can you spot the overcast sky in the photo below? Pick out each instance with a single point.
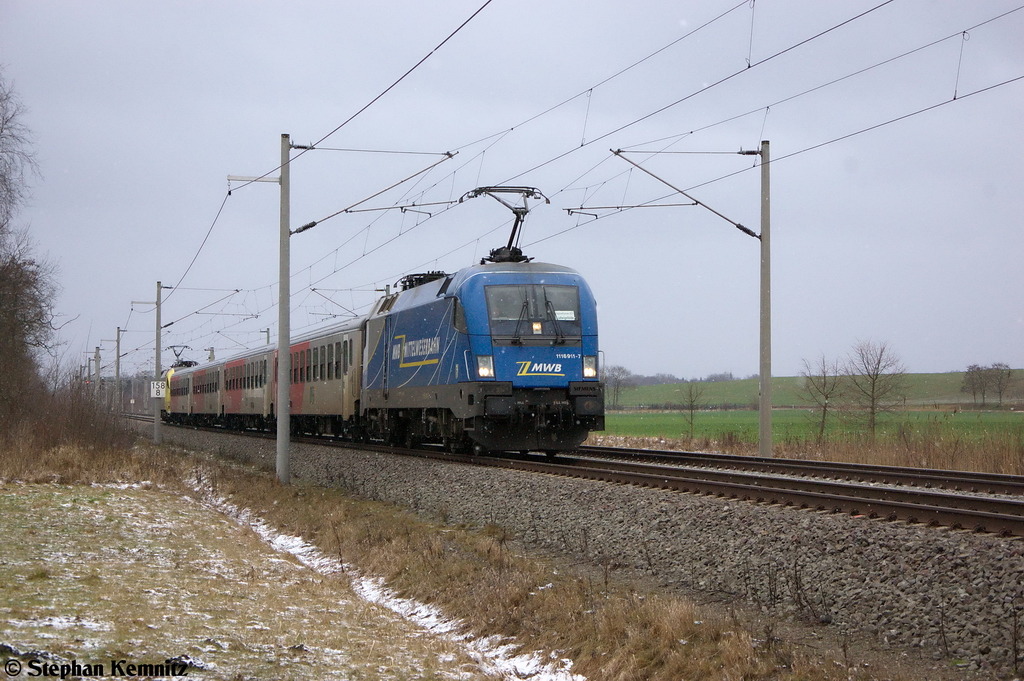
(909, 233)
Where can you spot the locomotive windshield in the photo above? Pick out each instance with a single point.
(531, 310)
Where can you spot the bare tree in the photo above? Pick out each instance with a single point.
(875, 380)
(617, 378)
(692, 401)
(26, 283)
(16, 158)
(1001, 374)
(823, 384)
(976, 381)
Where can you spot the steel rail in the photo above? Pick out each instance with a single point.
(928, 478)
(981, 514)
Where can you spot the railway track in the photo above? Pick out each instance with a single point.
(999, 514)
(962, 500)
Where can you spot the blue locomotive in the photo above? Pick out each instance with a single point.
(501, 355)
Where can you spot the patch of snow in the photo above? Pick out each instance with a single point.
(493, 656)
(61, 623)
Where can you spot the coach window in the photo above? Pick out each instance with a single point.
(337, 359)
(309, 363)
(323, 363)
(316, 364)
(330, 361)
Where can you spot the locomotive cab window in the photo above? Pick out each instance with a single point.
(534, 310)
(459, 317)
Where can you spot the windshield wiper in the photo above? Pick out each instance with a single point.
(554, 320)
(516, 340)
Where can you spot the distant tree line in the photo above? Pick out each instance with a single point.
(665, 379)
(984, 381)
(618, 378)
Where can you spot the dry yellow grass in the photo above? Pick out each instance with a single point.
(475, 575)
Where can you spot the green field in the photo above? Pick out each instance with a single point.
(923, 390)
(934, 404)
(801, 425)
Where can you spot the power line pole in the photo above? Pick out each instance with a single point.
(157, 437)
(764, 436)
(284, 312)
(117, 371)
(155, 395)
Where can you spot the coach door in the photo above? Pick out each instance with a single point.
(389, 324)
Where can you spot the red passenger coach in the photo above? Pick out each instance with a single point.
(240, 392)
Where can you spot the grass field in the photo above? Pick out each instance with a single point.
(923, 390)
(801, 424)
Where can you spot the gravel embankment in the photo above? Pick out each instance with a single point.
(947, 592)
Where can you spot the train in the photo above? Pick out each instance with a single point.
(499, 356)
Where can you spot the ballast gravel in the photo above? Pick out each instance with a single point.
(952, 593)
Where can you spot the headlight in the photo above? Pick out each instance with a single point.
(485, 366)
(590, 367)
